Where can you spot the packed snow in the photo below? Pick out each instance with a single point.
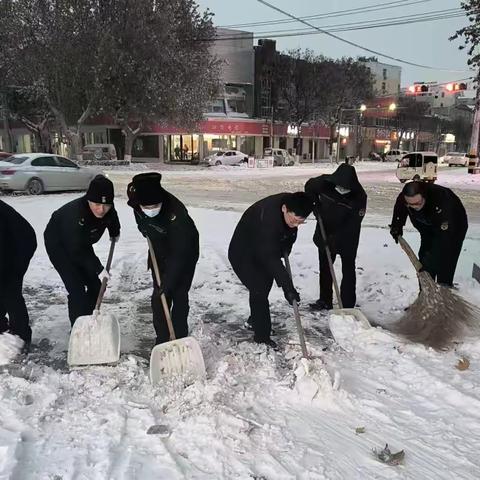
(260, 414)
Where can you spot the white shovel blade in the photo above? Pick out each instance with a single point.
(94, 340)
(345, 324)
(178, 357)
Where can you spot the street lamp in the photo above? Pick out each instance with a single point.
(362, 108)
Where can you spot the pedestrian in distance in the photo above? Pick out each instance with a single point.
(17, 246)
(265, 233)
(164, 219)
(340, 201)
(440, 217)
(69, 238)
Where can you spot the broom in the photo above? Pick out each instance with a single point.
(439, 316)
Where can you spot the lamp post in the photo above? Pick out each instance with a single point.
(363, 108)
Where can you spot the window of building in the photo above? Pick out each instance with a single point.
(384, 73)
(216, 106)
(237, 105)
(384, 87)
(182, 148)
(146, 146)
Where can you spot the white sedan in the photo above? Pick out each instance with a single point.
(43, 172)
(456, 158)
(230, 157)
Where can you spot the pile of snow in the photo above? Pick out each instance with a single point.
(10, 346)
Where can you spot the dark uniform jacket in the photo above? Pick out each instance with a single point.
(442, 224)
(174, 238)
(71, 232)
(342, 215)
(17, 243)
(443, 213)
(263, 237)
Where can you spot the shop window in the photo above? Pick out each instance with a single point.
(146, 147)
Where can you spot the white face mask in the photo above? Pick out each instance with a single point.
(341, 190)
(151, 212)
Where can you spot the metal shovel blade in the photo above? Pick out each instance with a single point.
(342, 329)
(94, 340)
(177, 357)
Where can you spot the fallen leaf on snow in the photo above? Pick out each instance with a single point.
(463, 364)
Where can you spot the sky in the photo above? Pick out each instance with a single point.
(420, 43)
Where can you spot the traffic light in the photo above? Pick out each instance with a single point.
(455, 87)
(418, 89)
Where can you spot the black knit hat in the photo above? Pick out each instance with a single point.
(299, 203)
(147, 188)
(100, 190)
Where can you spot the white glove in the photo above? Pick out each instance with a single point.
(104, 274)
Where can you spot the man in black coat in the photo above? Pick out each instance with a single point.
(438, 214)
(17, 246)
(341, 201)
(163, 218)
(264, 234)
(69, 236)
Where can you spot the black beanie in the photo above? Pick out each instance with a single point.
(147, 188)
(299, 203)
(100, 190)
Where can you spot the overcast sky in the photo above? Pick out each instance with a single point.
(421, 43)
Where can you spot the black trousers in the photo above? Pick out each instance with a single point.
(349, 279)
(441, 265)
(259, 283)
(179, 305)
(12, 304)
(82, 286)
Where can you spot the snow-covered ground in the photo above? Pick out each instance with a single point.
(253, 418)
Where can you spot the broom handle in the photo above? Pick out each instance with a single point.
(166, 309)
(329, 256)
(103, 286)
(296, 313)
(410, 253)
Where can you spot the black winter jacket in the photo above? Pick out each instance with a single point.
(263, 236)
(17, 243)
(71, 232)
(443, 213)
(342, 215)
(174, 237)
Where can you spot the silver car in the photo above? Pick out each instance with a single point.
(43, 172)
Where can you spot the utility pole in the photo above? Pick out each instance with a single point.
(474, 139)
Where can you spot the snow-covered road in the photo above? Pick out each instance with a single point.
(252, 418)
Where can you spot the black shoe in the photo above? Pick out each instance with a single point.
(320, 305)
(267, 341)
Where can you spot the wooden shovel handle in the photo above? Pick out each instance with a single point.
(410, 253)
(103, 287)
(329, 256)
(296, 313)
(166, 309)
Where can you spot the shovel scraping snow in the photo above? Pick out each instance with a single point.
(183, 356)
(339, 332)
(95, 339)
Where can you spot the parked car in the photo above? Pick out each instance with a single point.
(281, 157)
(4, 155)
(456, 159)
(418, 165)
(99, 151)
(41, 172)
(229, 157)
(393, 155)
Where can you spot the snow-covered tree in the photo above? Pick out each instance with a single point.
(156, 66)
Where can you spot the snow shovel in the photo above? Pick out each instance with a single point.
(298, 322)
(175, 357)
(95, 339)
(438, 316)
(339, 328)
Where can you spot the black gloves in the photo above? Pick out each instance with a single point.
(290, 295)
(395, 232)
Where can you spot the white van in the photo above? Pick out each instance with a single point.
(281, 157)
(418, 164)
